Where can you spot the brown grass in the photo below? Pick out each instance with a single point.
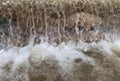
(91, 6)
(97, 7)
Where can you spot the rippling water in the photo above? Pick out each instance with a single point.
(47, 44)
(63, 62)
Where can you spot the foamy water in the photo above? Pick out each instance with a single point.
(65, 62)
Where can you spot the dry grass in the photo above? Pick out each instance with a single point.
(98, 7)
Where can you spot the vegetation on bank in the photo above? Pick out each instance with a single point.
(98, 7)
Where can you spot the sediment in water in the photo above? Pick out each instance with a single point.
(46, 62)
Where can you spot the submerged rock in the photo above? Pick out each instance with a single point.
(85, 20)
(43, 66)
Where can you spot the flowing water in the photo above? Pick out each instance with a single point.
(43, 59)
(65, 62)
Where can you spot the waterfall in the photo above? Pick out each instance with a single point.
(50, 40)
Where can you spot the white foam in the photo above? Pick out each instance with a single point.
(65, 54)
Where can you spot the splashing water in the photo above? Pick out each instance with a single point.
(53, 51)
(65, 62)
